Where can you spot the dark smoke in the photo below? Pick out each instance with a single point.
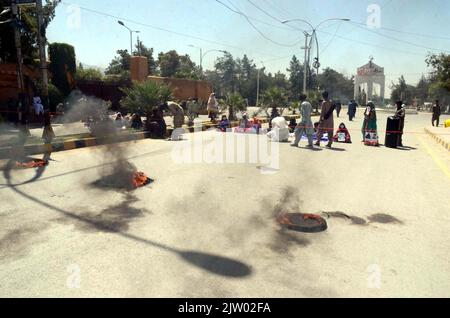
(118, 173)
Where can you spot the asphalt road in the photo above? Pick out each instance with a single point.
(209, 230)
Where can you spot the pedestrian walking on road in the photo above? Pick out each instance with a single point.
(369, 128)
(436, 114)
(338, 109)
(305, 127)
(352, 110)
(400, 114)
(326, 124)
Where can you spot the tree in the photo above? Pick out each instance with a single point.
(142, 97)
(440, 77)
(274, 97)
(226, 69)
(235, 103)
(187, 68)
(295, 77)
(422, 89)
(169, 63)
(63, 66)
(120, 64)
(89, 74)
(338, 86)
(402, 91)
(29, 31)
(142, 50)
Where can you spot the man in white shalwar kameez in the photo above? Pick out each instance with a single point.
(305, 127)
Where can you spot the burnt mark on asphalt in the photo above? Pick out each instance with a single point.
(284, 241)
(374, 218)
(384, 219)
(16, 243)
(113, 219)
(341, 215)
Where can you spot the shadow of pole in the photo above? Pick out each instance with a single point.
(212, 263)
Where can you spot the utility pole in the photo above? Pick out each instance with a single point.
(42, 55)
(257, 84)
(17, 41)
(305, 67)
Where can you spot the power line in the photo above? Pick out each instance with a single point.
(278, 8)
(264, 11)
(372, 45)
(236, 10)
(409, 33)
(163, 29)
(254, 27)
(399, 40)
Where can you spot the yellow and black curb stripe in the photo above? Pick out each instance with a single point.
(8, 152)
(439, 140)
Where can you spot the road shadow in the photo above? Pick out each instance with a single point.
(11, 165)
(310, 149)
(211, 263)
(335, 149)
(406, 148)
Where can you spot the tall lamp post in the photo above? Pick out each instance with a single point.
(257, 83)
(131, 35)
(307, 47)
(202, 55)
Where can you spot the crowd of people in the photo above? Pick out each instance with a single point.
(279, 129)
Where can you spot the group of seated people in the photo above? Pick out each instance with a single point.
(281, 131)
(133, 121)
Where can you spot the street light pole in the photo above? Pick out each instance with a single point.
(42, 55)
(257, 84)
(308, 48)
(202, 55)
(305, 68)
(131, 35)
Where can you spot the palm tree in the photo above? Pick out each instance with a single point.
(141, 98)
(235, 103)
(274, 97)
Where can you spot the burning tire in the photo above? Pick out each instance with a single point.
(306, 223)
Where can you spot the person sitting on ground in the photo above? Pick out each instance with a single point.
(156, 124)
(342, 134)
(119, 120)
(256, 124)
(275, 114)
(224, 124)
(292, 125)
(280, 130)
(136, 122)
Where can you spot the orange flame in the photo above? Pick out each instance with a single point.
(140, 179)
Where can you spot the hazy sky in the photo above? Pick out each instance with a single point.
(409, 29)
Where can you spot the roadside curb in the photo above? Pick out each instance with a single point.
(439, 140)
(8, 152)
